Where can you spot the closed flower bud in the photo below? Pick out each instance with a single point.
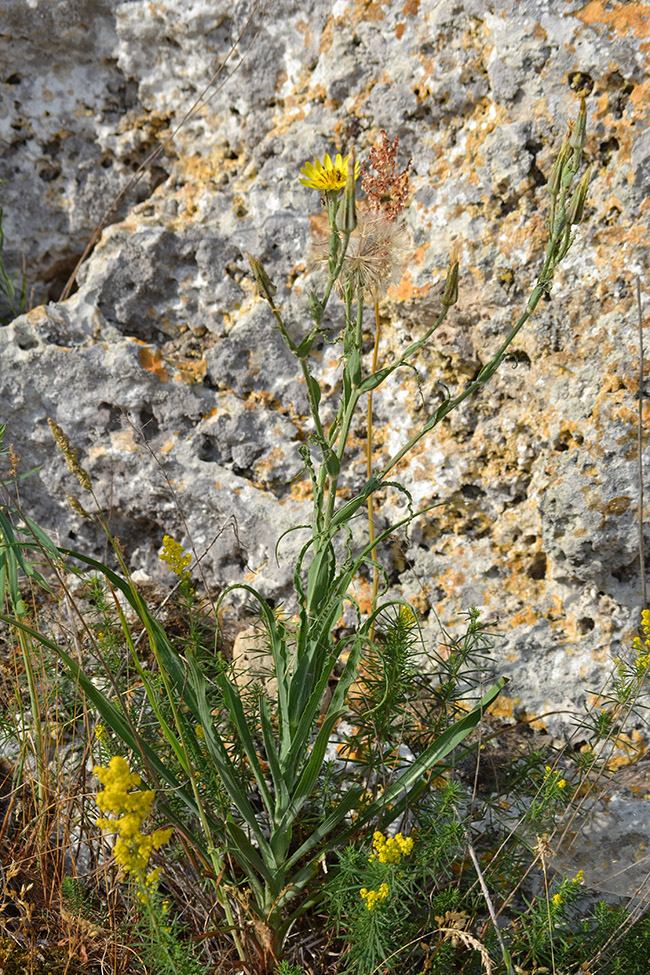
(577, 205)
(555, 178)
(450, 294)
(346, 217)
(262, 280)
(578, 137)
(315, 307)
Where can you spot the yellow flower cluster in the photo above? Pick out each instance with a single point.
(133, 848)
(554, 776)
(643, 647)
(390, 849)
(557, 899)
(407, 617)
(177, 560)
(374, 897)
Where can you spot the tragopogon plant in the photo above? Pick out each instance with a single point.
(267, 756)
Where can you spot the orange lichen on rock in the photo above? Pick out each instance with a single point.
(152, 361)
(629, 749)
(406, 290)
(505, 707)
(623, 18)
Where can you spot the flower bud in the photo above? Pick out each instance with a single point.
(450, 294)
(346, 217)
(315, 307)
(577, 205)
(556, 174)
(578, 137)
(262, 280)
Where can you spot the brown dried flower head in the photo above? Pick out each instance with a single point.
(387, 189)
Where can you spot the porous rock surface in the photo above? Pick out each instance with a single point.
(164, 368)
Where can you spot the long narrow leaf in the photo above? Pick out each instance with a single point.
(279, 651)
(238, 717)
(347, 803)
(250, 859)
(305, 785)
(277, 777)
(223, 763)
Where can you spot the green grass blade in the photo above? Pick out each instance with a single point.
(238, 717)
(270, 750)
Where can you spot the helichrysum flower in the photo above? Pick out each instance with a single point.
(374, 897)
(175, 557)
(390, 849)
(327, 176)
(133, 848)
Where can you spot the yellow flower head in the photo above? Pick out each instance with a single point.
(130, 808)
(327, 176)
(374, 897)
(175, 557)
(391, 849)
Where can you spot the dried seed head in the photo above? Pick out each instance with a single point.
(387, 189)
(77, 506)
(70, 454)
(374, 257)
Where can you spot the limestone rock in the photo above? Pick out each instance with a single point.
(164, 367)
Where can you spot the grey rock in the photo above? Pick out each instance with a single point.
(167, 373)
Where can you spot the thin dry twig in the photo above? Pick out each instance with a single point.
(644, 595)
(490, 906)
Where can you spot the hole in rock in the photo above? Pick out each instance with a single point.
(110, 417)
(472, 491)
(537, 567)
(149, 424)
